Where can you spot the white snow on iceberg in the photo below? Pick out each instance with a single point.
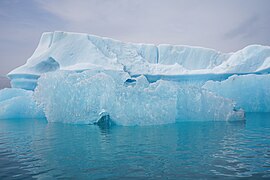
(196, 104)
(78, 52)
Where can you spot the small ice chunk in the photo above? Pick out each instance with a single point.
(18, 104)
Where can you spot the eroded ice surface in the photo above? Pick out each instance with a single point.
(201, 105)
(251, 92)
(18, 103)
(91, 94)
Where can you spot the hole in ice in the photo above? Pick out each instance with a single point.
(105, 121)
(48, 65)
(130, 82)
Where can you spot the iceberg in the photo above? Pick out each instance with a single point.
(81, 78)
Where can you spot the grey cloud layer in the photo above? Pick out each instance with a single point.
(226, 25)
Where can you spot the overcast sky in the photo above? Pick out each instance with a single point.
(225, 25)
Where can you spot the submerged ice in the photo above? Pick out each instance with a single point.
(81, 78)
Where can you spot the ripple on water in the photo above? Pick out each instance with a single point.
(37, 149)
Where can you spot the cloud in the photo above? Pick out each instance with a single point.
(22, 23)
(224, 25)
(192, 22)
(247, 28)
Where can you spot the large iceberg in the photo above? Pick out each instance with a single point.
(81, 78)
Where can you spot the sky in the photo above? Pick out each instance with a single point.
(225, 25)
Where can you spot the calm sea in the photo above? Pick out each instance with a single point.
(187, 150)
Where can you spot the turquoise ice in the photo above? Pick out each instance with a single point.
(251, 92)
(86, 97)
(18, 103)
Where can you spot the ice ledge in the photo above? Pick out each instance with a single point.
(80, 52)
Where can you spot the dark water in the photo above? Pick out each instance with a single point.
(187, 150)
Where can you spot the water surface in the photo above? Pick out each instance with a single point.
(187, 150)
